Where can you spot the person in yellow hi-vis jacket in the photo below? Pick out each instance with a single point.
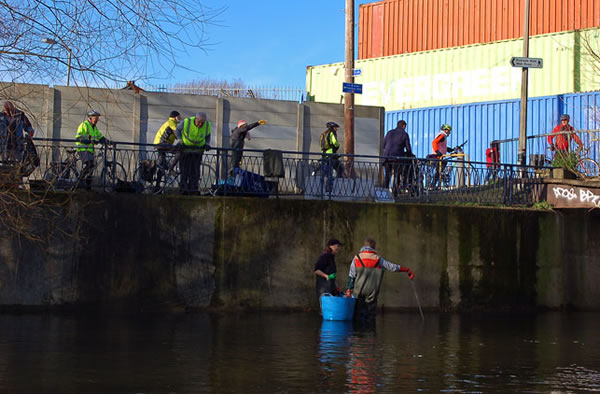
(164, 139)
(194, 133)
(87, 136)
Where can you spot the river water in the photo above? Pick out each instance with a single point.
(298, 353)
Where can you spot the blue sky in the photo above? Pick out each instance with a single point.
(269, 43)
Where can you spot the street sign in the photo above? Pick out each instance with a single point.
(352, 88)
(527, 62)
(356, 72)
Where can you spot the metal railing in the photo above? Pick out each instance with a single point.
(537, 145)
(135, 168)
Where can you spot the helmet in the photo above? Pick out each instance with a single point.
(564, 117)
(332, 124)
(446, 127)
(93, 112)
(241, 123)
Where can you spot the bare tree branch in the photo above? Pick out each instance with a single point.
(107, 41)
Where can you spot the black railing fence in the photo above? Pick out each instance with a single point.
(148, 169)
(538, 147)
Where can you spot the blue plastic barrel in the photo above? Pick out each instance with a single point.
(337, 308)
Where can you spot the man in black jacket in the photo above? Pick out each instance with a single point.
(238, 135)
(396, 145)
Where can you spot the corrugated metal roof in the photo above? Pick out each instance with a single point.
(393, 27)
(461, 75)
(481, 123)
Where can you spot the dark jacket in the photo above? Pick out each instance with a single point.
(397, 143)
(238, 135)
(326, 263)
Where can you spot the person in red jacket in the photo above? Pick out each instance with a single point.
(563, 133)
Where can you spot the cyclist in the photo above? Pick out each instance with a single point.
(194, 132)
(563, 133)
(164, 139)
(87, 136)
(440, 148)
(329, 147)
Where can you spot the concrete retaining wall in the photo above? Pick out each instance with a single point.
(130, 117)
(149, 252)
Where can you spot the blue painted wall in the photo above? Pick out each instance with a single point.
(481, 123)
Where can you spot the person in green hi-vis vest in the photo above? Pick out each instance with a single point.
(194, 133)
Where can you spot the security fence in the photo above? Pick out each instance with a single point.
(151, 169)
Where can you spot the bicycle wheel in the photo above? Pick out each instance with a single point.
(113, 175)
(143, 183)
(62, 176)
(169, 181)
(588, 167)
(208, 178)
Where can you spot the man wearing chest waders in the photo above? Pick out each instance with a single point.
(365, 277)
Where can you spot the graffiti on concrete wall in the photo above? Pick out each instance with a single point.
(574, 197)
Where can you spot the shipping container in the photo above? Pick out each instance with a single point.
(460, 75)
(481, 123)
(394, 27)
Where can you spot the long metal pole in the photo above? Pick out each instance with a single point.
(349, 77)
(524, 94)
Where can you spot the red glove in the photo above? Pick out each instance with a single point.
(411, 275)
(348, 293)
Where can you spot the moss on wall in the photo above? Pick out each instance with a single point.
(153, 251)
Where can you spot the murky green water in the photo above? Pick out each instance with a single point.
(297, 353)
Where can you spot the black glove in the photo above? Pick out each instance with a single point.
(437, 152)
(206, 148)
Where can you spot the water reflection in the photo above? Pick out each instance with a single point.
(265, 353)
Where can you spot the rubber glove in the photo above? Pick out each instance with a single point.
(331, 276)
(261, 122)
(411, 275)
(348, 293)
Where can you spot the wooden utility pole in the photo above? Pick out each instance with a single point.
(349, 77)
(524, 94)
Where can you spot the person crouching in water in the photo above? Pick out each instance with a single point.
(365, 277)
(325, 269)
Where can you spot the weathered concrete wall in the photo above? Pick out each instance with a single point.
(129, 117)
(168, 251)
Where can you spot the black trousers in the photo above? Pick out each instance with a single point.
(190, 172)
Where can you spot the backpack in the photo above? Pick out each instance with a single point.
(324, 140)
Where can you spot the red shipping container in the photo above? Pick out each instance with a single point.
(392, 27)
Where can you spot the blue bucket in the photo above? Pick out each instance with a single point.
(336, 308)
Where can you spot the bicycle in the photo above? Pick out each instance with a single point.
(587, 166)
(156, 178)
(451, 170)
(68, 174)
(64, 174)
(578, 162)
